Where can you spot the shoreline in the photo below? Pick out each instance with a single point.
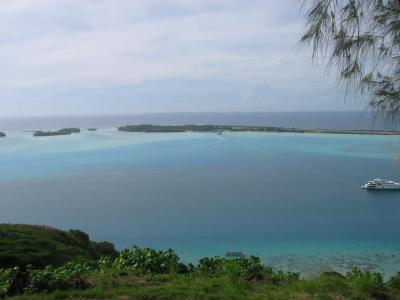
(197, 128)
(144, 128)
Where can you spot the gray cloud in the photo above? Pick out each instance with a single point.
(52, 51)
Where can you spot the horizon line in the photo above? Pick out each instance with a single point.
(184, 112)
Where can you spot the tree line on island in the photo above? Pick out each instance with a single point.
(64, 131)
(149, 128)
(39, 262)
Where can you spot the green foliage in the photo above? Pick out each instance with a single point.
(209, 265)
(247, 268)
(8, 278)
(361, 40)
(64, 131)
(212, 278)
(202, 128)
(365, 284)
(149, 274)
(80, 235)
(394, 282)
(51, 278)
(39, 246)
(103, 249)
(222, 128)
(105, 263)
(322, 285)
(147, 260)
(281, 277)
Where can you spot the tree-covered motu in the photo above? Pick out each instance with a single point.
(361, 39)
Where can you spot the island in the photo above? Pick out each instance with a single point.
(92, 129)
(2, 134)
(148, 128)
(64, 131)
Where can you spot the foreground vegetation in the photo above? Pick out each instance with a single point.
(64, 131)
(219, 128)
(39, 246)
(149, 274)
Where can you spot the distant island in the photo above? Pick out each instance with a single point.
(64, 131)
(220, 128)
(2, 134)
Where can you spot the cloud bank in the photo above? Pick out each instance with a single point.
(107, 56)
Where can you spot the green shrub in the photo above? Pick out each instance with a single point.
(155, 272)
(105, 263)
(232, 271)
(322, 285)
(146, 261)
(250, 268)
(394, 282)
(69, 276)
(184, 269)
(253, 269)
(104, 249)
(232, 275)
(8, 279)
(366, 284)
(39, 246)
(209, 265)
(280, 277)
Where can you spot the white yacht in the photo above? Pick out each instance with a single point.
(381, 184)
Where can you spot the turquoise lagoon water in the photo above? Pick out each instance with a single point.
(293, 199)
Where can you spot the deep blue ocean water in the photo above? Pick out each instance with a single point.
(293, 199)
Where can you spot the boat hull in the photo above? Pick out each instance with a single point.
(393, 188)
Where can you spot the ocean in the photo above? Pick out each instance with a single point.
(316, 120)
(293, 199)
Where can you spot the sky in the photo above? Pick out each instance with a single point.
(100, 57)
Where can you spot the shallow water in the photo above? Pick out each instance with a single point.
(293, 199)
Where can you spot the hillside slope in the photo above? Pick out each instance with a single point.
(40, 246)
